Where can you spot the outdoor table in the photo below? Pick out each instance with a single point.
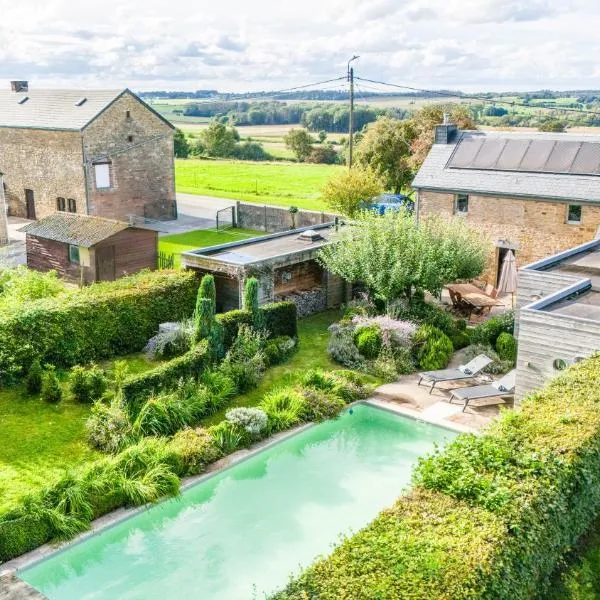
(472, 295)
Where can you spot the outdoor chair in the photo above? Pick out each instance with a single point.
(498, 389)
(471, 369)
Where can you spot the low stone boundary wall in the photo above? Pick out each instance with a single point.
(275, 218)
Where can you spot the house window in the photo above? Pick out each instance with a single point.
(74, 254)
(102, 175)
(130, 138)
(461, 204)
(574, 214)
(72, 205)
(128, 114)
(60, 204)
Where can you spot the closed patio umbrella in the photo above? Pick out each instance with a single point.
(508, 276)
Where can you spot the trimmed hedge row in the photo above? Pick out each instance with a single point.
(98, 322)
(138, 387)
(507, 504)
(278, 318)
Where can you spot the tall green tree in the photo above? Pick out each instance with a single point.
(219, 140)
(300, 142)
(385, 147)
(250, 300)
(208, 290)
(181, 145)
(348, 191)
(394, 256)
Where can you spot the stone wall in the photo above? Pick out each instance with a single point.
(49, 163)
(537, 228)
(139, 146)
(274, 218)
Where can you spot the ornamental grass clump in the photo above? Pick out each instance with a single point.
(284, 408)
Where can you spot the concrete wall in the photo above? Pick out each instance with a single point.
(544, 337)
(142, 170)
(537, 227)
(274, 218)
(48, 162)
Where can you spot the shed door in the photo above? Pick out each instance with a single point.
(105, 263)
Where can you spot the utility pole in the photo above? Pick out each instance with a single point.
(351, 118)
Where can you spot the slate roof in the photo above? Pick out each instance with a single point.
(435, 174)
(79, 230)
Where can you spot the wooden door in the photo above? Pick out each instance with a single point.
(105, 263)
(30, 204)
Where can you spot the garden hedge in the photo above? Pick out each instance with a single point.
(98, 322)
(137, 388)
(490, 516)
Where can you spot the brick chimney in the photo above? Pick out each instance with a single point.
(19, 86)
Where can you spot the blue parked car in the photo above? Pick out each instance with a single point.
(386, 202)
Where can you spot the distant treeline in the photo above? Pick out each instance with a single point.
(332, 118)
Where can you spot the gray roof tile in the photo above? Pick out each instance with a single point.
(79, 230)
(435, 175)
(53, 109)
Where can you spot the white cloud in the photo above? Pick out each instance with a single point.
(269, 44)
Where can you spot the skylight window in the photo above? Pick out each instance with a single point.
(23, 99)
(81, 101)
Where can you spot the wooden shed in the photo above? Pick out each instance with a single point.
(85, 249)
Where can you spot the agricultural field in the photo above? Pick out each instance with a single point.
(284, 184)
(182, 242)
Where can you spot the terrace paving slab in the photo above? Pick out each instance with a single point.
(13, 588)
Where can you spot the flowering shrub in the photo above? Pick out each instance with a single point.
(401, 332)
(341, 347)
(253, 420)
(108, 427)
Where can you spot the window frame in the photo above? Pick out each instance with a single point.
(108, 166)
(74, 260)
(61, 204)
(571, 221)
(458, 198)
(71, 205)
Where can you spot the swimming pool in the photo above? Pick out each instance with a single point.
(241, 533)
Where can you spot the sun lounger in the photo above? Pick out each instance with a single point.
(471, 369)
(498, 389)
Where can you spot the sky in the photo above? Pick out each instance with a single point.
(241, 45)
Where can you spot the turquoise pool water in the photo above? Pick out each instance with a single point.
(241, 533)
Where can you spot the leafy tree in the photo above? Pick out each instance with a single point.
(300, 142)
(552, 125)
(385, 148)
(325, 154)
(425, 121)
(394, 256)
(181, 145)
(347, 192)
(219, 140)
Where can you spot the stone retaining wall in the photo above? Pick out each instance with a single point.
(275, 218)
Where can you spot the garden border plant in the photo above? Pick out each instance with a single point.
(151, 468)
(489, 516)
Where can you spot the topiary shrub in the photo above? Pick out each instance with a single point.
(279, 318)
(51, 390)
(433, 348)
(208, 291)
(368, 340)
(231, 322)
(250, 299)
(87, 385)
(33, 381)
(506, 346)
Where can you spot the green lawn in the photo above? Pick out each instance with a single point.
(285, 184)
(40, 440)
(201, 238)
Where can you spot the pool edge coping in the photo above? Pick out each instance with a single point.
(114, 518)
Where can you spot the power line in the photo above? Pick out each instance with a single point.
(480, 98)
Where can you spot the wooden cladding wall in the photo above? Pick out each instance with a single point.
(48, 255)
(303, 276)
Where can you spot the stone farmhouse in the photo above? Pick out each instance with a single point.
(103, 153)
(533, 193)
